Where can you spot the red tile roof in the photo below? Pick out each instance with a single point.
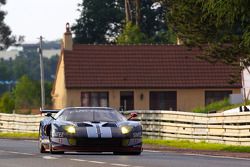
(142, 66)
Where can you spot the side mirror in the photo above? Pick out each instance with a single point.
(132, 115)
(49, 114)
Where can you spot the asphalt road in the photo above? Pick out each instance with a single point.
(24, 153)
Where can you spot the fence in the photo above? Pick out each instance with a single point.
(217, 128)
(19, 123)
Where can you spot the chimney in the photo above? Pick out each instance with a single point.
(67, 39)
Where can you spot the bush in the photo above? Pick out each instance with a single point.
(7, 103)
(216, 106)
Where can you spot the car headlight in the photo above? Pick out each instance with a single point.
(126, 129)
(70, 129)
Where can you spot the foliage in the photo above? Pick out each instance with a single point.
(185, 144)
(153, 22)
(5, 33)
(216, 106)
(7, 103)
(220, 27)
(219, 106)
(13, 69)
(29, 59)
(131, 35)
(27, 93)
(102, 21)
(99, 21)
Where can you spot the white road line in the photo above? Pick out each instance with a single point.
(119, 165)
(152, 151)
(97, 162)
(79, 160)
(49, 157)
(32, 141)
(200, 155)
(13, 152)
(219, 156)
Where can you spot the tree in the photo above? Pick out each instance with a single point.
(99, 22)
(103, 21)
(131, 35)
(219, 27)
(7, 103)
(153, 22)
(5, 33)
(27, 93)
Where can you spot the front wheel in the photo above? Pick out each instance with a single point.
(41, 147)
(54, 152)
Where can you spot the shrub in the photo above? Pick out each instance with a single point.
(216, 106)
(7, 103)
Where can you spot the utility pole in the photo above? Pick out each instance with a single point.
(42, 73)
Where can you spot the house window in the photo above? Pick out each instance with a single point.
(94, 99)
(213, 96)
(127, 100)
(166, 100)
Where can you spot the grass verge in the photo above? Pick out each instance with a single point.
(17, 135)
(218, 106)
(185, 144)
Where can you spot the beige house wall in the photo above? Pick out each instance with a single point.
(187, 99)
(59, 96)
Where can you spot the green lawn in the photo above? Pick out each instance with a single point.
(185, 144)
(18, 135)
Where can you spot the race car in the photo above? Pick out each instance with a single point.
(89, 129)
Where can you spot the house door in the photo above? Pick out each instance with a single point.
(127, 100)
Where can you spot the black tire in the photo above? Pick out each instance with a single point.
(41, 147)
(54, 152)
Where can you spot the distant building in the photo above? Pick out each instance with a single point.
(142, 77)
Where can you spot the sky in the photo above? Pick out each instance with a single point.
(34, 18)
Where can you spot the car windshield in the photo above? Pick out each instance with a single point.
(91, 115)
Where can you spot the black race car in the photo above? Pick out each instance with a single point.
(95, 129)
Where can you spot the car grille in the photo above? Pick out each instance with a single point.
(99, 142)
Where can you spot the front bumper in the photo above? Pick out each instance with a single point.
(97, 145)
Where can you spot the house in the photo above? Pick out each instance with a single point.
(143, 77)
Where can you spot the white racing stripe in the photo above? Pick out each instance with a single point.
(92, 132)
(106, 132)
(119, 165)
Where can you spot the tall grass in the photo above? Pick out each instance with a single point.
(216, 106)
